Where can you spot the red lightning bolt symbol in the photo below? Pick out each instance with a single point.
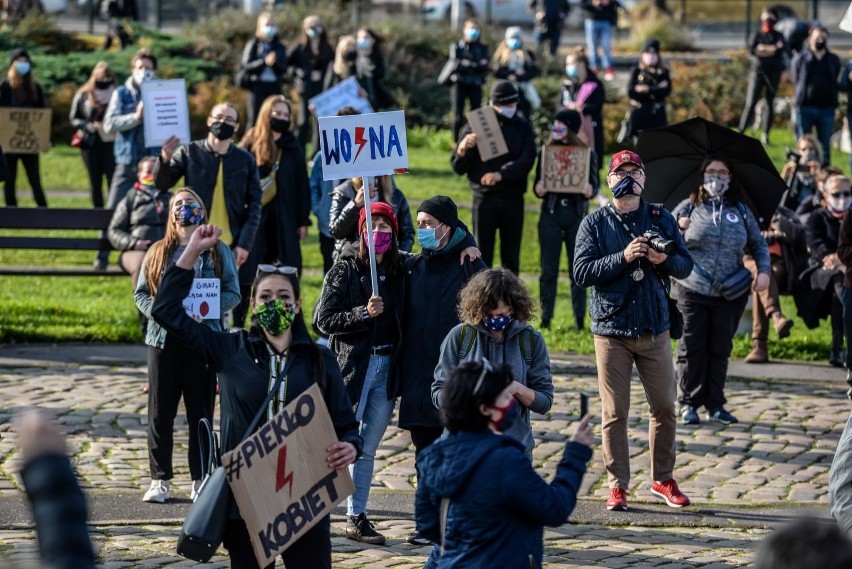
(359, 140)
(282, 477)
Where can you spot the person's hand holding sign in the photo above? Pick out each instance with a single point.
(341, 455)
(468, 142)
(491, 178)
(169, 147)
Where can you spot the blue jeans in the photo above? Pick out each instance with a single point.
(374, 412)
(823, 119)
(599, 36)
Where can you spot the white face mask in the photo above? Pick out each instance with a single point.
(715, 185)
(141, 75)
(507, 112)
(839, 204)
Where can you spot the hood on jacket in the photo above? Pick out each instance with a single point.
(448, 463)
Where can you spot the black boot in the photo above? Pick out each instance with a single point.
(838, 358)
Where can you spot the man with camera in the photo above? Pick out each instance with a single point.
(626, 251)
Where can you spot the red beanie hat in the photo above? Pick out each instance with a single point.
(379, 208)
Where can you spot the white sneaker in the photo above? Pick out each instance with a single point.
(196, 490)
(158, 492)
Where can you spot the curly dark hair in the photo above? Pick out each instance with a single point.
(487, 288)
(461, 400)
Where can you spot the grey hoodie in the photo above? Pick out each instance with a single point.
(717, 239)
(506, 351)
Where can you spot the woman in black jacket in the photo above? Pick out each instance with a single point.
(365, 331)
(247, 362)
(370, 66)
(470, 60)
(583, 92)
(647, 89)
(769, 50)
(309, 62)
(21, 90)
(87, 114)
(514, 62)
(262, 66)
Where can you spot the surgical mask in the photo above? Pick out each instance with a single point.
(141, 75)
(275, 316)
(428, 238)
(497, 324)
(716, 186)
(559, 132)
(508, 415)
(279, 125)
(314, 32)
(819, 45)
(626, 187)
(650, 59)
(839, 204)
(514, 43)
(571, 71)
(269, 32)
(381, 240)
(222, 130)
(364, 43)
(189, 214)
(507, 112)
(472, 35)
(22, 67)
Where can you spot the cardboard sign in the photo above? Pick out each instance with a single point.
(363, 145)
(344, 94)
(280, 477)
(565, 168)
(489, 137)
(25, 131)
(165, 111)
(203, 299)
(846, 22)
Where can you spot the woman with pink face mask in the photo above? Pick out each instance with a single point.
(365, 331)
(648, 88)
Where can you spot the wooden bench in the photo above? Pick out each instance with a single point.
(51, 219)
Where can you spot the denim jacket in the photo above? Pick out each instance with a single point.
(121, 119)
(620, 305)
(229, 292)
(321, 191)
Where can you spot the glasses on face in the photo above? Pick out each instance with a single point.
(720, 173)
(621, 174)
(486, 368)
(282, 270)
(224, 119)
(843, 194)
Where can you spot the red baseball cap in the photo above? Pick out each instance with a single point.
(379, 208)
(624, 157)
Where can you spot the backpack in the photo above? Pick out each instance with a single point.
(467, 337)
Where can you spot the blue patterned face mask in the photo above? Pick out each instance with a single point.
(497, 324)
(189, 214)
(514, 43)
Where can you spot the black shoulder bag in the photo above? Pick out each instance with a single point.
(204, 528)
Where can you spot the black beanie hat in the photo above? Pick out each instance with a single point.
(16, 53)
(572, 119)
(503, 93)
(651, 45)
(441, 208)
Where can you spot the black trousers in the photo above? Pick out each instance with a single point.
(31, 167)
(422, 437)
(709, 325)
(311, 551)
(558, 227)
(255, 97)
(327, 249)
(100, 164)
(493, 212)
(458, 95)
(761, 82)
(174, 372)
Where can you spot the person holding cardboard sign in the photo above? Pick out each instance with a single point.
(499, 184)
(248, 363)
(170, 372)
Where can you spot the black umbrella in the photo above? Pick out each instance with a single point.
(673, 156)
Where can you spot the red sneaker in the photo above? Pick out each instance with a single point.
(617, 500)
(668, 491)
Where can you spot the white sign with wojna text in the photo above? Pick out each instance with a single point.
(363, 145)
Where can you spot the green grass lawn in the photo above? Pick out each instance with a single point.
(42, 309)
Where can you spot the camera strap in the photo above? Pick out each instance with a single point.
(655, 210)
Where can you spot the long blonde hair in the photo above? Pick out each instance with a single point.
(503, 52)
(260, 137)
(344, 44)
(160, 255)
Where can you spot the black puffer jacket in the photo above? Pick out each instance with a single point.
(345, 293)
(140, 215)
(198, 165)
(309, 69)
(343, 221)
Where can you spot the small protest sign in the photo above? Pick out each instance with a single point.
(25, 131)
(165, 111)
(363, 145)
(280, 477)
(489, 137)
(846, 21)
(203, 299)
(565, 168)
(345, 94)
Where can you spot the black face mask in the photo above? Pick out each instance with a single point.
(819, 45)
(350, 56)
(279, 125)
(103, 84)
(222, 130)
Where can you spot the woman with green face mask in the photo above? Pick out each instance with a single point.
(249, 363)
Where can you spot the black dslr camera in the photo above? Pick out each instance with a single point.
(792, 156)
(659, 243)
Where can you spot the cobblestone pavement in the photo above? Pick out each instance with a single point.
(779, 455)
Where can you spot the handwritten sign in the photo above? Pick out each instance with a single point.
(344, 94)
(363, 145)
(280, 477)
(203, 299)
(165, 110)
(565, 168)
(489, 137)
(25, 131)
(846, 22)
